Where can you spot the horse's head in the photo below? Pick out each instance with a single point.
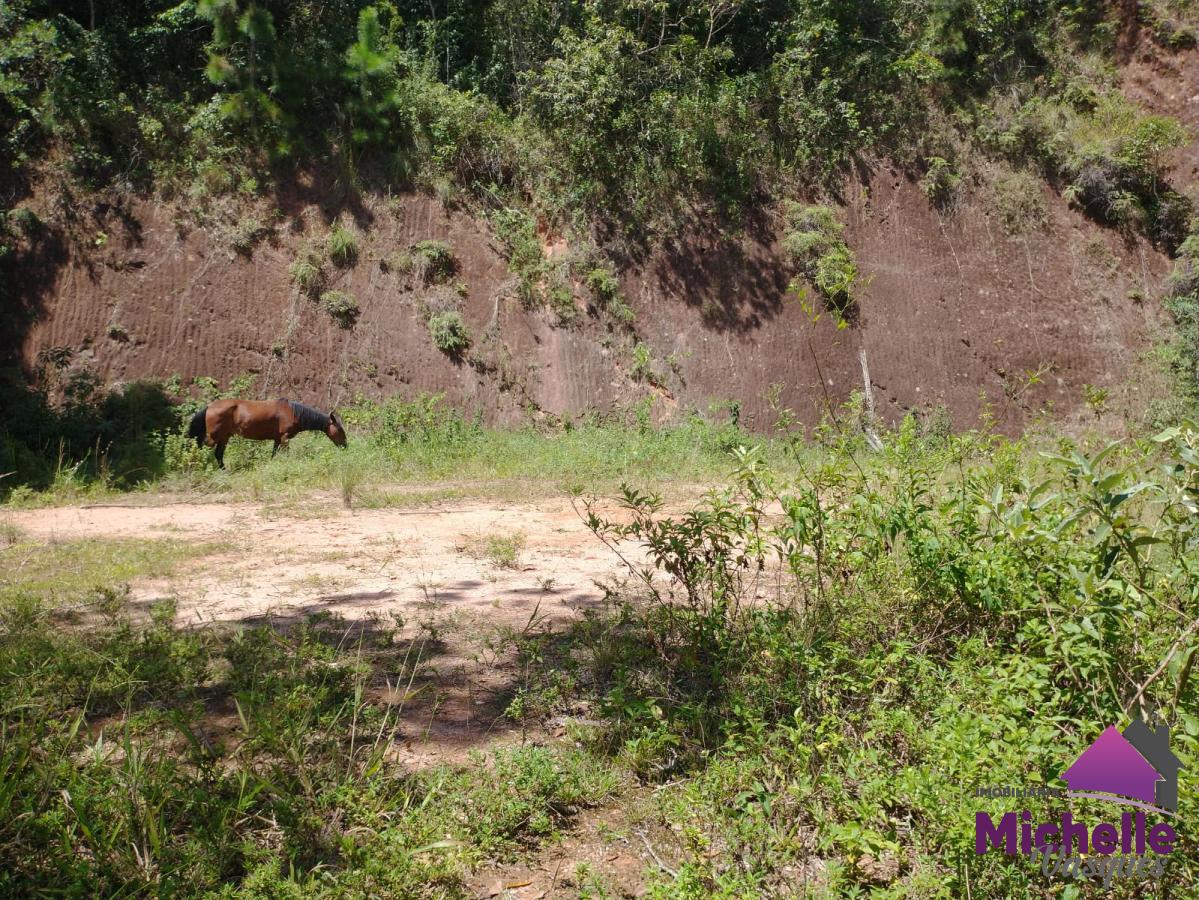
(336, 431)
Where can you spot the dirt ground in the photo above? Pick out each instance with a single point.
(357, 562)
(431, 567)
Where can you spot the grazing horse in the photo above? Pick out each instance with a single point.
(260, 420)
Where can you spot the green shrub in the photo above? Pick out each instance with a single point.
(517, 232)
(449, 333)
(246, 234)
(341, 306)
(1182, 302)
(812, 239)
(308, 273)
(1019, 200)
(24, 221)
(433, 261)
(643, 365)
(605, 291)
(342, 246)
(940, 183)
(1119, 178)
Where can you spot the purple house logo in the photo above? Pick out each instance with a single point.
(1135, 767)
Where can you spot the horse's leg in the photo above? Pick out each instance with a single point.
(220, 454)
(275, 449)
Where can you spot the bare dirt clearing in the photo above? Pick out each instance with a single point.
(354, 563)
(458, 577)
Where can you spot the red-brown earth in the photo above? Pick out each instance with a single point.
(953, 311)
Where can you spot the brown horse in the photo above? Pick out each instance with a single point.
(260, 420)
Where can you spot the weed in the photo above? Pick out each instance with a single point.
(10, 534)
(349, 477)
(433, 261)
(940, 183)
(449, 333)
(342, 246)
(1096, 399)
(247, 234)
(308, 273)
(341, 306)
(642, 368)
(813, 240)
(502, 551)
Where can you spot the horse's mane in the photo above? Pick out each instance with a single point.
(310, 419)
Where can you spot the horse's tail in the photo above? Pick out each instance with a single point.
(198, 428)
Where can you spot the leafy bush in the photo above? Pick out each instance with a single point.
(517, 232)
(449, 333)
(940, 183)
(605, 291)
(341, 306)
(1119, 179)
(873, 641)
(308, 273)
(1182, 301)
(584, 118)
(812, 239)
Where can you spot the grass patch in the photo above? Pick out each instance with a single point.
(56, 570)
(501, 550)
(1019, 201)
(146, 759)
(341, 245)
(399, 443)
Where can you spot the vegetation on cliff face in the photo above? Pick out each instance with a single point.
(620, 111)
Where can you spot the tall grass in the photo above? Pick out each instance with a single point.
(397, 445)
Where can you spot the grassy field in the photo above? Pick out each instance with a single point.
(828, 656)
(399, 454)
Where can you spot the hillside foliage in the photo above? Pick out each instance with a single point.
(622, 108)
